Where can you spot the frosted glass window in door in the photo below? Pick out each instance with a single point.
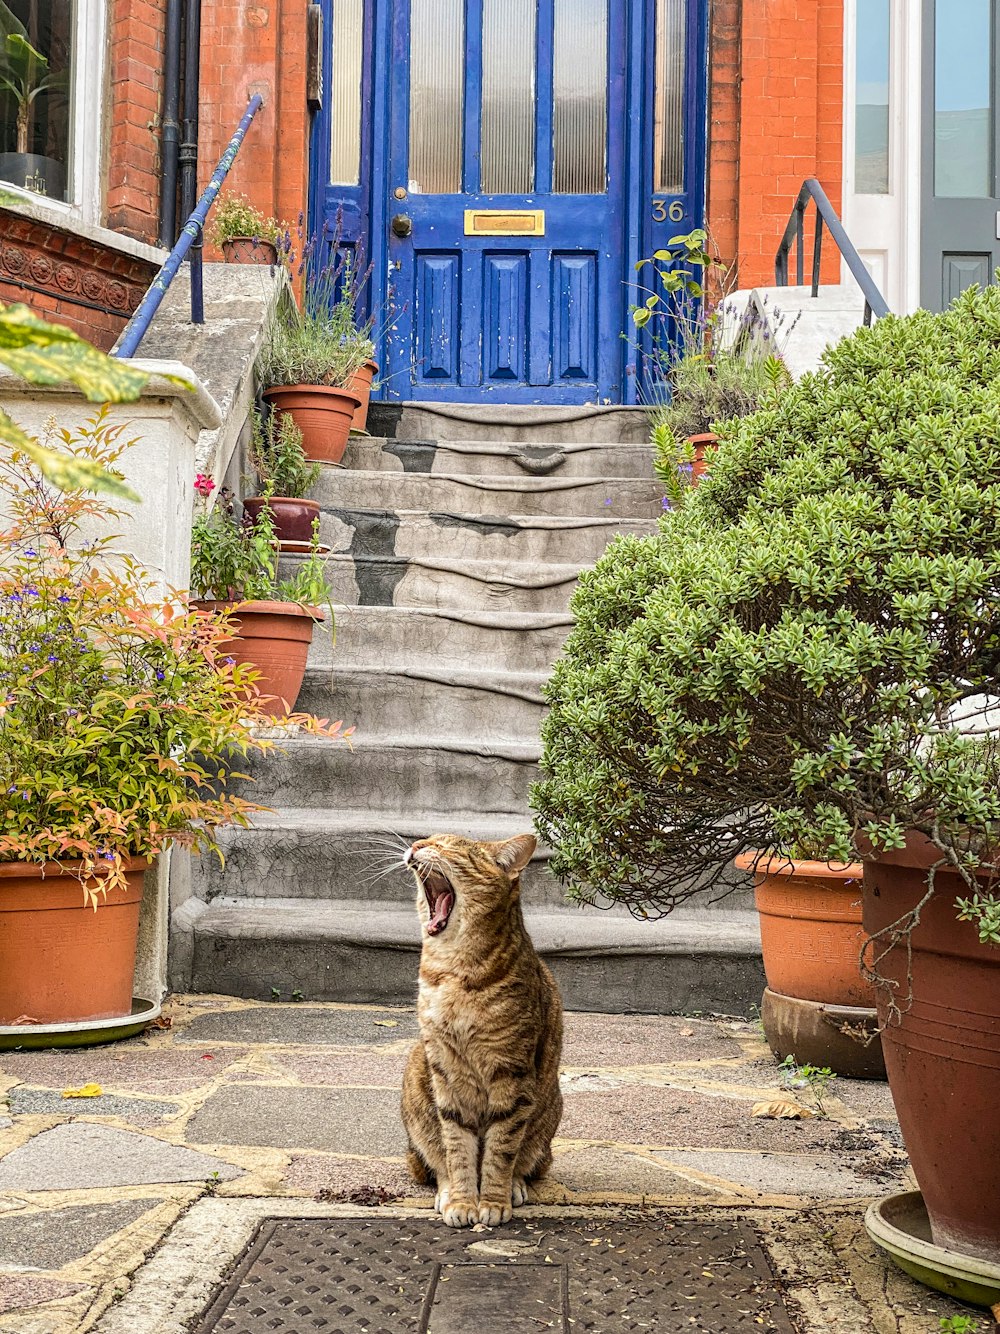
(437, 80)
(963, 99)
(668, 120)
(345, 118)
(871, 103)
(507, 165)
(580, 97)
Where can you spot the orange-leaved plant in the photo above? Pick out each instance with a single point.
(120, 716)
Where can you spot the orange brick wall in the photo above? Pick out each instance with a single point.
(136, 79)
(257, 46)
(776, 117)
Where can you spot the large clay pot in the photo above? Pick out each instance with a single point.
(274, 638)
(292, 519)
(322, 414)
(60, 961)
(361, 385)
(249, 250)
(943, 1055)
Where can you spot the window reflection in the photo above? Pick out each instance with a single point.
(963, 99)
(871, 132)
(36, 42)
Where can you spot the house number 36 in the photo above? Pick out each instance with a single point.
(663, 212)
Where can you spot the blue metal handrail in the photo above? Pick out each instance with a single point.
(191, 234)
(875, 302)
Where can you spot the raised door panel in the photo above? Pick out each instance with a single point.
(436, 318)
(505, 323)
(961, 271)
(574, 317)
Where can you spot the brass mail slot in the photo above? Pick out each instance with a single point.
(504, 222)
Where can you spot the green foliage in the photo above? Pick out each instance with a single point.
(678, 271)
(785, 662)
(234, 217)
(959, 1324)
(24, 73)
(118, 714)
(277, 457)
(815, 1079)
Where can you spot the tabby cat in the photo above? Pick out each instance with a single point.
(481, 1099)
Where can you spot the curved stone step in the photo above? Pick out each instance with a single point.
(464, 638)
(430, 700)
(345, 951)
(369, 453)
(410, 773)
(507, 422)
(561, 540)
(613, 497)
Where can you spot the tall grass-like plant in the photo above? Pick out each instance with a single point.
(277, 457)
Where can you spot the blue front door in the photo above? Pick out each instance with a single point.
(511, 162)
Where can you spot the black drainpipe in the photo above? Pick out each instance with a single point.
(188, 156)
(170, 129)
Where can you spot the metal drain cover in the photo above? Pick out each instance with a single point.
(391, 1275)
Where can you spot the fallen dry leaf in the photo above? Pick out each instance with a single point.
(386, 1023)
(85, 1091)
(781, 1109)
(162, 1021)
(687, 1032)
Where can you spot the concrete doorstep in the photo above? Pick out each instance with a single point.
(120, 1212)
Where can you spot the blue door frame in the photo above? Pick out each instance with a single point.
(644, 221)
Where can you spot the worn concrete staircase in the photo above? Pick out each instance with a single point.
(457, 540)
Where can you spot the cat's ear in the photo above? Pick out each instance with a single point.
(514, 855)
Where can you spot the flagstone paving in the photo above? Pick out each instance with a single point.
(241, 1109)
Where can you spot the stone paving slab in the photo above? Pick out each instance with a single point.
(295, 1025)
(26, 1101)
(320, 1174)
(617, 1173)
(52, 1238)
(18, 1291)
(359, 1121)
(81, 1156)
(134, 1067)
(811, 1175)
(382, 1069)
(643, 1039)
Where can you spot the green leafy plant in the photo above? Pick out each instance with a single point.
(277, 457)
(959, 1324)
(816, 1080)
(807, 653)
(235, 218)
(116, 729)
(24, 73)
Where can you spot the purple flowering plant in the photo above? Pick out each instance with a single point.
(118, 708)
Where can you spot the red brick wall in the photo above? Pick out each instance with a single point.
(784, 118)
(256, 46)
(136, 77)
(69, 280)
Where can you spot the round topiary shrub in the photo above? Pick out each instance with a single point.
(784, 663)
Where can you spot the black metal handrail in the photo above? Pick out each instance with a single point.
(191, 234)
(795, 234)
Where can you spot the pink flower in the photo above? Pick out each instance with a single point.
(204, 485)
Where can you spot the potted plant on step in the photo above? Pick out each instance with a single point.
(314, 356)
(25, 74)
(284, 477)
(234, 573)
(808, 654)
(111, 719)
(243, 233)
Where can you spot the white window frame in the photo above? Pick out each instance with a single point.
(86, 127)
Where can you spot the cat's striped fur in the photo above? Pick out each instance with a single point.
(481, 1099)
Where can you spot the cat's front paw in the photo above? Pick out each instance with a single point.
(493, 1212)
(460, 1213)
(519, 1192)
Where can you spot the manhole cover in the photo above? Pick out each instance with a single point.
(387, 1276)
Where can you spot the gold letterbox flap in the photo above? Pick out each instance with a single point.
(505, 222)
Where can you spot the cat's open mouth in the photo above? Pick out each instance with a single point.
(440, 900)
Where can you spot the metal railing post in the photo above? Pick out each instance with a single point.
(817, 253)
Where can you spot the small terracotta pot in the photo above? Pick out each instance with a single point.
(322, 414)
(943, 1055)
(292, 519)
(704, 446)
(60, 961)
(274, 638)
(249, 250)
(361, 385)
(810, 930)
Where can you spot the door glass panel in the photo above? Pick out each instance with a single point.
(668, 127)
(508, 107)
(963, 100)
(580, 97)
(437, 80)
(871, 105)
(345, 118)
(35, 91)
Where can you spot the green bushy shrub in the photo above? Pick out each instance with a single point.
(784, 662)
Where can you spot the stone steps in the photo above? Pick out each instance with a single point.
(493, 458)
(429, 581)
(505, 423)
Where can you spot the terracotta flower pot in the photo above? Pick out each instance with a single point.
(704, 446)
(249, 250)
(943, 1055)
(292, 519)
(361, 385)
(60, 961)
(274, 637)
(322, 414)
